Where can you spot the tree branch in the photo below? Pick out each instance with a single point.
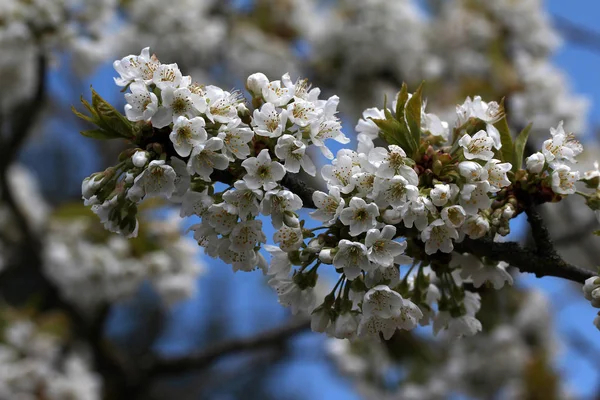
(200, 360)
(525, 259)
(541, 236)
(577, 35)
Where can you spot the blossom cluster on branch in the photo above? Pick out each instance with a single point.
(393, 211)
(35, 363)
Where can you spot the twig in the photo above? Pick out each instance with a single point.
(202, 359)
(526, 260)
(575, 34)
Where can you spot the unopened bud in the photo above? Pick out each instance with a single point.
(140, 159)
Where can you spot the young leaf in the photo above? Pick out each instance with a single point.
(393, 132)
(413, 114)
(401, 102)
(112, 120)
(505, 137)
(100, 134)
(520, 143)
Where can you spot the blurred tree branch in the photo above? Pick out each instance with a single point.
(204, 358)
(576, 34)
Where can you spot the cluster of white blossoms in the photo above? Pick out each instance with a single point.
(208, 130)
(34, 365)
(92, 270)
(30, 28)
(406, 204)
(496, 362)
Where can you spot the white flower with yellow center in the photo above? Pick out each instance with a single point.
(476, 226)
(442, 194)
(289, 239)
(359, 216)
(439, 236)
(177, 102)
(384, 310)
(293, 153)
(221, 106)
(277, 95)
(262, 172)
(268, 121)
(474, 197)
(395, 191)
(391, 163)
(477, 147)
(156, 180)
(205, 159)
(280, 205)
(244, 200)
(246, 235)
(472, 171)
(187, 133)
(497, 177)
(141, 103)
(561, 148)
(351, 257)
(563, 180)
(382, 249)
(235, 137)
(454, 216)
(329, 206)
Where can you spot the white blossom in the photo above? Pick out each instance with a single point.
(205, 158)
(329, 206)
(262, 172)
(293, 153)
(268, 121)
(382, 249)
(359, 216)
(156, 180)
(563, 180)
(535, 163)
(352, 258)
(186, 134)
(477, 147)
(141, 104)
(438, 236)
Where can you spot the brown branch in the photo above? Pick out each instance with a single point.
(525, 259)
(539, 231)
(276, 336)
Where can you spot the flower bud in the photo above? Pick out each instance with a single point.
(508, 212)
(256, 82)
(535, 163)
(140, 159)
(325, 256)
(90, 185)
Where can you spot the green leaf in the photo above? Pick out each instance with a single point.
(401, 101)
(505, 137)
(100, 134)
(393, 132)
(413, 115)
(83, 116)
(520, 143)
(112, 120)
(597, 233)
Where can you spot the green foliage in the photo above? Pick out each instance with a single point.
(110, 122)
(507, 150)
(519, 149)
(403, 129)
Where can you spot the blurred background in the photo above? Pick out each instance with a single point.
(84, 314)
